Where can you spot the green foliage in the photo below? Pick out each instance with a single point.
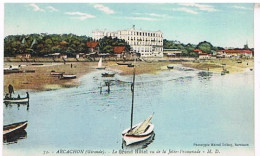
(42, 44)
(106, 44)
(188, 49)
(205, 46)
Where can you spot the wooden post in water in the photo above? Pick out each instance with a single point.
(132, 89)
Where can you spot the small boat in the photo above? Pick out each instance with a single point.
(68, 76)
(9, 100)
(12, 70)
(15, 127)
(141, 131)
(239, 61)
(100, 64)
(223, 73)
(170, 67)
(29, 71)
(57, 73)
(108, 74)
(124, 63)
(37, 64)
(130, 65)
(16, 100)
(188, 69)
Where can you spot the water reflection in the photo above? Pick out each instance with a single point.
(14, 137)
(204, 75)
(139, 145)
(10, 105)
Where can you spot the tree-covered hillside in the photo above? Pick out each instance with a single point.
(43, 44)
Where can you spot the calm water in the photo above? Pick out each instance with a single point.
(187, 109)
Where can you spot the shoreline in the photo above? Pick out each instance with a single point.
(41, 80)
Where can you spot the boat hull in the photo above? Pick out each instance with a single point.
(15, 127)
(108, 75)
(8, 71)
(170, 67)
(68, 77)
(56, 74)
(15, 100)
(101, 68)
(131, 139)
(124, 63)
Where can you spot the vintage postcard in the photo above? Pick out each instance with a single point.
(128, 79)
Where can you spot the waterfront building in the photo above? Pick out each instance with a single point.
(202, 55)
(146, 43)
(172, 52)
(236, 53)
(92, 46)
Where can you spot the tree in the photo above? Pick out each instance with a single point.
(205, 46)
(106, 44)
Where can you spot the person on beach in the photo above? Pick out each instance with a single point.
(71, 65)
(11, 90)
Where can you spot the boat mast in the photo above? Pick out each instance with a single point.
(132, 89)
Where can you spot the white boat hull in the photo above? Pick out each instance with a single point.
(69, 76)
(23, 100)
(131, 139)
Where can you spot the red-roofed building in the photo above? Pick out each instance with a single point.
(202, 55)
(236, 53)
(93, 46)
(198, 51)
(119, 50)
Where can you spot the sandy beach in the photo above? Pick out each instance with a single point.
(42, 79)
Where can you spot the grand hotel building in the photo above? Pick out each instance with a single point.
(147, 43)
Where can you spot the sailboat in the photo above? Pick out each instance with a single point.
(100, 64)
(141, 131)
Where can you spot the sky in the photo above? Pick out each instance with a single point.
(222, 24)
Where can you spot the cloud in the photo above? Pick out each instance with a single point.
(143, 18)
(202, 7)
(103, 8)
(187, 10)
(35, 7)
(52, 9)
(241, 7)
(157, 15)
(80, 15)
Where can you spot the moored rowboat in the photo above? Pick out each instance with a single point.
(170, 67)
(108, 74)
(68, 76)
(56, 73)
(15, 127)
(8, 71)
(123, 63)
(16, 100)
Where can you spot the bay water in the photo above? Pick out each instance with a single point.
(189, 110)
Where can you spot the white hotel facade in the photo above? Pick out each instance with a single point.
(147, 43)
